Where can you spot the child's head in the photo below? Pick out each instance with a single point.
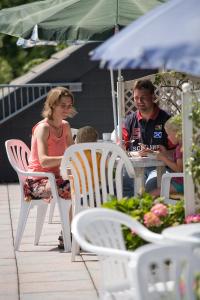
(173, 128)
(86, 134)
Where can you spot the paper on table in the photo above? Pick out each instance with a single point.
(152, 155)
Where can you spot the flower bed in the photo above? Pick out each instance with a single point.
(153, 214)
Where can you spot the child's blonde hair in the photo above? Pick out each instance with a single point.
(174, 124)
(86, 134)
(53, 99)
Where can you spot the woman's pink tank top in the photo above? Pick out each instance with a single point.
(56, 147)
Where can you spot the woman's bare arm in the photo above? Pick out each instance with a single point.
(175, 166)
(69, 137)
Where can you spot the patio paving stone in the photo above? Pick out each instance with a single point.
(40, 272)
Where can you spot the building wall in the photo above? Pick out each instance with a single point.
(94, 103)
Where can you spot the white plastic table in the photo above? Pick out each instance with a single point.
(185, 233)
(139, 164)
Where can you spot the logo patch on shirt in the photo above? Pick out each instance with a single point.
(157, 134)
(158, 127)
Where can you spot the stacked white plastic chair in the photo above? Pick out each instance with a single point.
(92, 186)
(18, 154)
(165, 272)
(100, 231)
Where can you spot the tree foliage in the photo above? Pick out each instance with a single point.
(14, 60)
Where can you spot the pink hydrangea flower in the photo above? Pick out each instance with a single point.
(195, 218)
(160, 210)
(150, 220)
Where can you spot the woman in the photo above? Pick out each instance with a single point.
(50, 138)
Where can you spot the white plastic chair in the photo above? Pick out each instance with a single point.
(18, 154)
(99, 230)
(92, 188)
(53, 203)
(165, 187)
(164, 272)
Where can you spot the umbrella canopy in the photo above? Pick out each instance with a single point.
(168, 36)
(72, 20)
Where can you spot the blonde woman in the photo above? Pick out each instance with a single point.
(173, 128)
(50, 137)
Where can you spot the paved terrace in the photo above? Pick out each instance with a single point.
(40, 272)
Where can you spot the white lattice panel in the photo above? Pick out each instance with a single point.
(196, 141)
(168, 90)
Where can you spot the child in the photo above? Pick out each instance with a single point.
(173, 128)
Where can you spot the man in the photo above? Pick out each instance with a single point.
(143, 130)
(146, 125)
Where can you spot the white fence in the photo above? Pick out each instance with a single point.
(17, 98)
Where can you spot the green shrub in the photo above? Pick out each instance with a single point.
(153, 214)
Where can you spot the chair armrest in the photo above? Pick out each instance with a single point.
(165, 183)
(37, 174)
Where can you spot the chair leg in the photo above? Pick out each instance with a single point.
(75, 249)
(41, 214)
(23, 216)
(64, 210)
(51, 211)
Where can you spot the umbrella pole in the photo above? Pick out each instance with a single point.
(120, 96)
(189, 195)
(114, 103)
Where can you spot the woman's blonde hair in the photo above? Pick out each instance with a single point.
(174, 124)
(53, 99)
(87, 134)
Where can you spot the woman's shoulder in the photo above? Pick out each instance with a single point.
(65, 123)
(41, 126)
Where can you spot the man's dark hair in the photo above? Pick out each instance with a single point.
(145, 84)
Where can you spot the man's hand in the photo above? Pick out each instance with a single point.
(144, 150)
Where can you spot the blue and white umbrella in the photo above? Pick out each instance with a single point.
(168, 36)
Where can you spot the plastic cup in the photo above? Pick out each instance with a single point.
(106, 136)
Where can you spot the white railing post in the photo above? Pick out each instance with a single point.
(189, 195)
(120, 100)
(113, 93)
